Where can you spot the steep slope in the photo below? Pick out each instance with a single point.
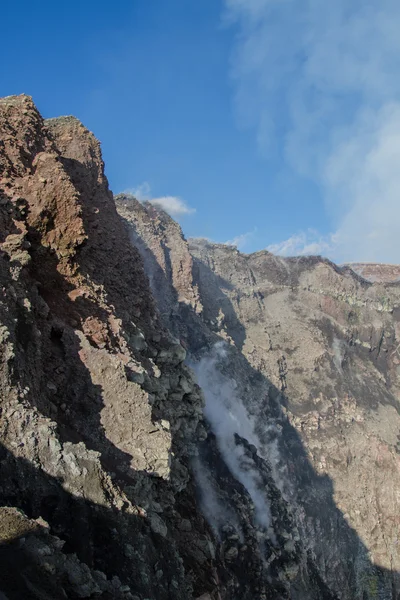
(329, 342)
(300, 359)
(99, 415)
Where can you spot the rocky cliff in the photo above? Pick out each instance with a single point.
(179, 420)
(300, 358)
(99, 414)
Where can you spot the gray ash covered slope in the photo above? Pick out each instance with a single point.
(299, 361)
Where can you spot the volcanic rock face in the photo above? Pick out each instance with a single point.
(303, 357)
(120, 477)
(377, 272)
(329, 343)
(98, 412)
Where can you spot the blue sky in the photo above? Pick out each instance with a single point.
(269, 123)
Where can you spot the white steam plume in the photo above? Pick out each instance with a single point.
(227, 416)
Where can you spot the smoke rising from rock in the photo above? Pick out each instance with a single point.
(228, 416)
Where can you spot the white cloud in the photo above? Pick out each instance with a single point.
(319, 84)
(242, 240)
(303, 244)
(366, 169)
(171, 204)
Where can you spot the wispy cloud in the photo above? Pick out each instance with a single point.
(173, 205)
(319, 84)
(242, 240)
(142, 192)
(305, 243)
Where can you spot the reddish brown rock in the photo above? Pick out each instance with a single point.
(377, 272)
(95, 428)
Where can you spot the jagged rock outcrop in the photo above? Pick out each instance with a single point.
(167, 262)
(312, 358)
(99, 414)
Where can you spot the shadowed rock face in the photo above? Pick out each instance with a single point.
(120, 477)
(312, 356)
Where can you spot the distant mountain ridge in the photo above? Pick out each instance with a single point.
(377, 272)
